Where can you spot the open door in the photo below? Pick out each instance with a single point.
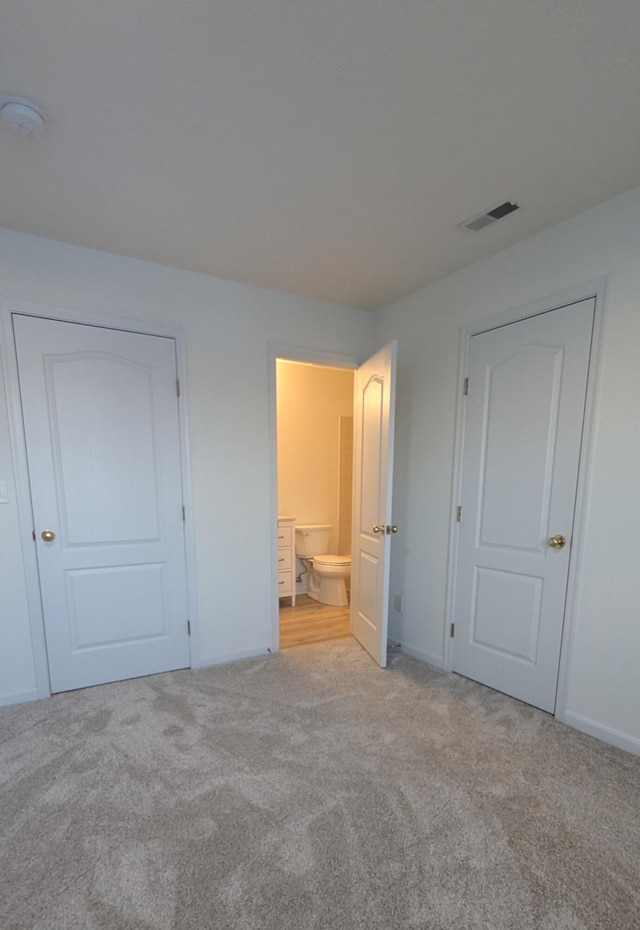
(374, 408)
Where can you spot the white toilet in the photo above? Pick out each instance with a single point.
(327, 573)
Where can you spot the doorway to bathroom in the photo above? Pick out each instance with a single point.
(314, 439)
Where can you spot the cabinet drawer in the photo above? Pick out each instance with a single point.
(284, 536)
(284, 560)
(285, 584)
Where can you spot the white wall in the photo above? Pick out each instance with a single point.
(228, 329)
(604, 692)
(17, 675)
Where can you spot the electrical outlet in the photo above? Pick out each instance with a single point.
(397, 603)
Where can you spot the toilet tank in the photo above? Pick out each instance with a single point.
(312, 539)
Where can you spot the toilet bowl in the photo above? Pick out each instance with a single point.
(327, 573)
(332, 572)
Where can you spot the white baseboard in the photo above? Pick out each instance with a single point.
(18, 697)
(606, 734)
(429, 657)
(206, 661)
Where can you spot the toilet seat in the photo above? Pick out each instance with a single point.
(343, 560)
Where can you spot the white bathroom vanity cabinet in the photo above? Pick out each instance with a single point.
(286, 558)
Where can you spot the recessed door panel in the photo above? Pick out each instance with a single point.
(117, 605)
(105, 448)
(367, 588)
(506, 613)
(370, 436)
(520, 417)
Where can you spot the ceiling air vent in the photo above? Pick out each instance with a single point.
(478, 222)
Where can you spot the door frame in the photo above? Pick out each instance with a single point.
(18, 446)
(596, 289)
(304, 356)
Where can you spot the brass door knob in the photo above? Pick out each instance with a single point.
(378, 529)
(556, 542)
(48, 535)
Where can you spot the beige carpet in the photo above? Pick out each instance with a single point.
(311, 791)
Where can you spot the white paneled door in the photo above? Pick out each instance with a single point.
(523, 431)
(374, 407)
(100, 412)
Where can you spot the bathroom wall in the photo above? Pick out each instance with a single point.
(311, 399)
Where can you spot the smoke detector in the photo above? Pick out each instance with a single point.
(480, 220)
(21, 116)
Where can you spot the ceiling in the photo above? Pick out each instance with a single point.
(324, 147)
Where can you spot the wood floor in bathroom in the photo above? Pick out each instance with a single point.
(311, 622)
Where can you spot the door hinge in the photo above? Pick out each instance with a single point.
(452, 632)
(184, 514)
(178, 386)
(465, 389)
(188, 627)
(33, 533)
(458, 514)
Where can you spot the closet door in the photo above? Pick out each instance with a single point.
(100, 412)
(523, 432)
